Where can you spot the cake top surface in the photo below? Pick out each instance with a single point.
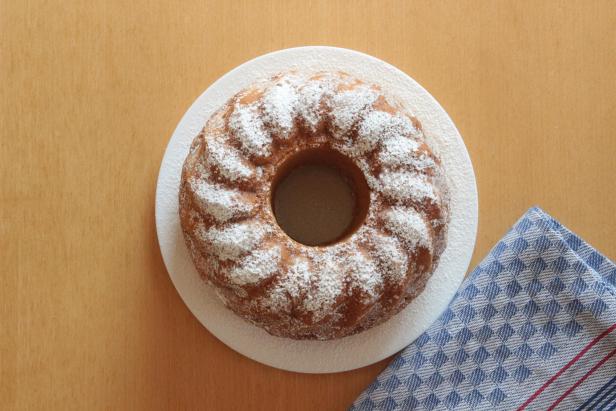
(231, 165)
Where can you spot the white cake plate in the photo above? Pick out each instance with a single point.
(374, 344)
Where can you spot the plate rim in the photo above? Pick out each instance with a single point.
(286, 362)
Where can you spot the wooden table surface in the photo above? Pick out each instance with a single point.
(91, 92)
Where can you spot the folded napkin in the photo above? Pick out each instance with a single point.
(533, 327)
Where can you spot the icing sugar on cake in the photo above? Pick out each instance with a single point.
(401, 185)
(399, 150)
(219, 202)
(247, 125)
(290, 289)
(310, 96)
(279, 106)
(256, 266)
(347, 107)
(234, 241)
(409, 225)
(389, 255)
(227, 160)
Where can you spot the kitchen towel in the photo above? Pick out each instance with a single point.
(532, 327)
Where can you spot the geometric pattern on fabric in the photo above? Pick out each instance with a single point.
(532, 327)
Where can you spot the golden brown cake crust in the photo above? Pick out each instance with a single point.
(287, 288)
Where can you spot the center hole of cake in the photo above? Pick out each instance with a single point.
(319, 197)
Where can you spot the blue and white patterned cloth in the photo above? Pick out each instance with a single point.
(532, 327)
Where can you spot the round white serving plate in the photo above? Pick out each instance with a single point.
(374, 344)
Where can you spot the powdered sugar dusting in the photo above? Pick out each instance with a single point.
(247, 125)
(389, 255)
(399, 150)
(347, 107)
(402, 185)
(314, 282)
(237, 239)
(311, 94)
(294, 283)
(381, 126)
(321, 278)
(256, 267)
(362, 274)
(227, 160)
(219, 202)
(279, 107)
(409, 226)
(328, 285)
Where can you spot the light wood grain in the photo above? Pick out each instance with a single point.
(91, 92)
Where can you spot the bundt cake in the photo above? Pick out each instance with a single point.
(326, 291)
